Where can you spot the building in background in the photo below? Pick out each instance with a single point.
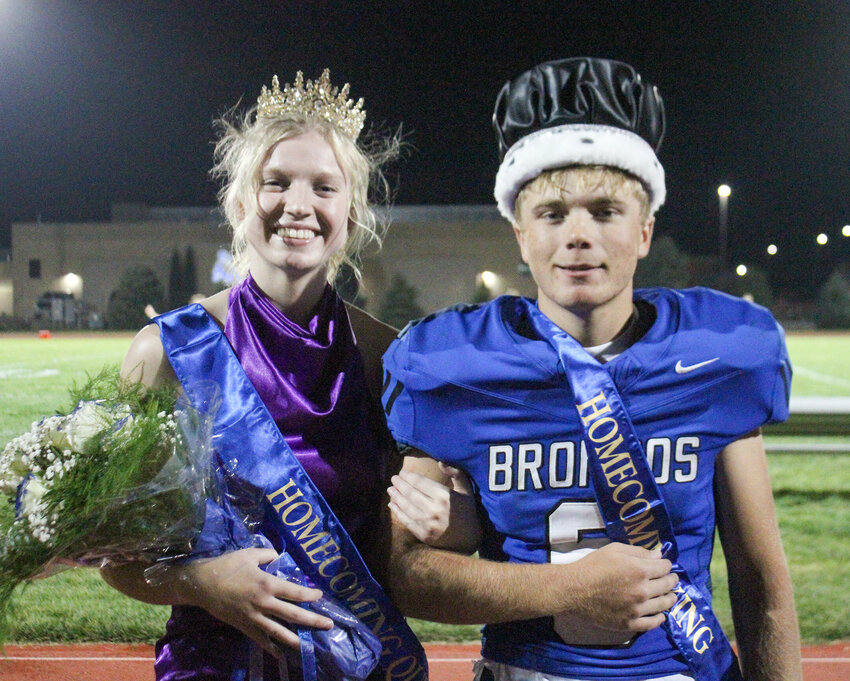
(86, 259)
(449, 254)
(64, 273)
(7, 304)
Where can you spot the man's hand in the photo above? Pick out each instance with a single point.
(620, 588)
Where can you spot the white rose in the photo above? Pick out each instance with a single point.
(86, 421)
(30, 497)
(55, 431)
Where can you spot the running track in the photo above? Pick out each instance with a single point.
(447, 662)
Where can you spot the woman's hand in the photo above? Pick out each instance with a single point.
(233, 588)
(436, 514)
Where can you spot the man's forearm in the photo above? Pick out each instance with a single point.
(615, 588)
(766, 630)
(759, 582)
(442, 586)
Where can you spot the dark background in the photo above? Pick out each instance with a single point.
(108, 101)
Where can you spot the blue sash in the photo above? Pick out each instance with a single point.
(631, 503)
(260, 459)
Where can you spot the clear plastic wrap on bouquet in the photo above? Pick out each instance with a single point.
(130, 474)
(347, 652)
(121, 477)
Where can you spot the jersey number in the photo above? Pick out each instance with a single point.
(575, 529)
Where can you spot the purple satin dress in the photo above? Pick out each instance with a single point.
(312, 380)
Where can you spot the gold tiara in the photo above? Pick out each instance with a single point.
(315, 99)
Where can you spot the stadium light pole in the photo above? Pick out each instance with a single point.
(723, 192)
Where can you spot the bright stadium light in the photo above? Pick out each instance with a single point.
(723, 192)
(489, 279)
(845, 230)
(741, 270)
(772, 249)
(822, 239)
(70, 283)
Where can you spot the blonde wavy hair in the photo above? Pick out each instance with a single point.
(244, 143)
(586, 177)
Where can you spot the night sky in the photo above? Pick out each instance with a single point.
(106, 101)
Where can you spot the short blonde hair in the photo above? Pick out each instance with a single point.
(244, 145)
(584, 177)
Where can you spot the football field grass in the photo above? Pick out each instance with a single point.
(821, 363)
(812, 495)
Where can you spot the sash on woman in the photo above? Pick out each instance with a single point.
(258, 458)
(631, 503)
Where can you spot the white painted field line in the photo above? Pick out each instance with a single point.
(823, 378)
(21, 374)
(66, 658)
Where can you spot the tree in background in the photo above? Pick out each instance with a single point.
(482, 293)
(754, 285)
(182, 278)
(833, 304)
(709, 270)
(222, 276)
(399, 305)
(665, 265)
(175, 282)
(190, 276)
(137, 287)
(348, 287)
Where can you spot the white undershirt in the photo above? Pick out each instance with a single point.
(621, 342)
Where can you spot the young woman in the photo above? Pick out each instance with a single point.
(295, 186)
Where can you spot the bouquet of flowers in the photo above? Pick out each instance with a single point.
(122, 476)
(129, 474)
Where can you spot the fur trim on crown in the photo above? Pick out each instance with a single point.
(575, 144)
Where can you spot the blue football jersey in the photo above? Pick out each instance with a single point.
(475, 387)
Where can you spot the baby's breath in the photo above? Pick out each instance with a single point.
(84, 486)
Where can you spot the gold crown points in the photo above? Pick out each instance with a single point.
(317, 99)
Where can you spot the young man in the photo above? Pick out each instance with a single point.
(600, 426)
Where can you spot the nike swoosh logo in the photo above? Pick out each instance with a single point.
(680, 369)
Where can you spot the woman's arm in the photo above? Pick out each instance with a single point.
(231, 587)
(145, 361)
(759, 582)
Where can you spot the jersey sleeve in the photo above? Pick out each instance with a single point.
(767, 379)
(781, 394)
(439, 374)
(723, 369)
(397, 400)
(412, 397)
(756, 386)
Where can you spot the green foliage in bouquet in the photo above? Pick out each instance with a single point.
(120, 477)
